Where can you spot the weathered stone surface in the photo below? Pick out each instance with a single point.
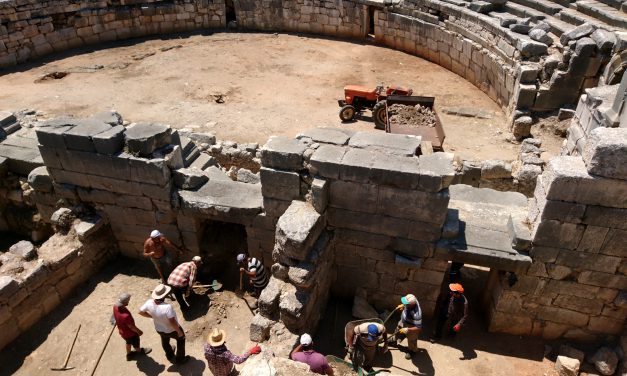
(362, 309)
(605, 151)
(326, 161)
(522, 127)
(189, 178)
(320, 194)
(224, 199)
(563, 316)
(605, 361)
(520, 28)
(540, 36)
(604, 39)
(40, 180)
(247, 176)
(589, 261)
(80, 136)
(280, 184)
(265, 364)
(297, 229)
(567, 179)
(144, 138)
(530, 48)
(584, 48)
(567, 366)
(436, 171)
(283, 153)
(302, 275)
(571, 352)
(88, 226)
(496, 169)
(413, 205)
(576, 33)
(327, 135)
(260, 328)
(110, 141)
(8, 287)
(404, 145)
(25, 249)
(62, 218)
(519, 232)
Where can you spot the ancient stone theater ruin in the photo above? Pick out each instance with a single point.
(335, 213)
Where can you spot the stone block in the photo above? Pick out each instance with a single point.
(605, 217)
(605, 361)
(570, 352)
(260, 328)
(353, 196)
(269, 298)
(565, 366)
(302, 275)
(327, 135)
(110, 141)
(189, 178)
(275, 208)
(144, 138)
(563, 211)
(583, 305)
(283, 153)
(413, 205)
(279, 184)
(496, 169)
(398, 144)
(526, 95)
(471, 173)
(528, 73)
(39, 179)
(88, 226)
(577, 33)
(24, 249)
(614, 281)
(570, 288)
(396, 171)
(8, 287)
(519, 232)
(605, 40)
(510, 323)
(530, 48)
(50, 133)
(369, 223)
(326, 161)
(151, 171)
(436, 171)
(615, 243)
(521, 128)
(80, 136)
(589, 261)
(566, 179)
(562, 316)
(592, 240)
(554, 233)
(604, 153)
(320, 194)
(297, 230)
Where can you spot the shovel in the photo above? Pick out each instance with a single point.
(67, 357)
(215, 286)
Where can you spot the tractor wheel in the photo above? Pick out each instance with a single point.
(347, 113)
(379, 115)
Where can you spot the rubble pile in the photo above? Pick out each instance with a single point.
(411, 116)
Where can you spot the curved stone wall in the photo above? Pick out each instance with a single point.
(522, 58)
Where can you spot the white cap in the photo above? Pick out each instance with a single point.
(241, 257)
(196, 259)
(155, 234)
(305, 340)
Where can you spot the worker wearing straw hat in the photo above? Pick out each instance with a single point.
(220, 360)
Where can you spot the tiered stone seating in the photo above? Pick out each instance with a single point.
(603, 12)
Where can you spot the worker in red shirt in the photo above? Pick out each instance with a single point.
(126, 326)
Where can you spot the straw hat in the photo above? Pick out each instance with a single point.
(161, 291)
(216, 337)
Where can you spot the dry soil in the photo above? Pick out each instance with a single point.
(246, 87)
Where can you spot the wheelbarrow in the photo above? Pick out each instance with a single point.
(356, 356)
(341, 363)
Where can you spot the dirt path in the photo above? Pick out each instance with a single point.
(476, 353)
(269, 84)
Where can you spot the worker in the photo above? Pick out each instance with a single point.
(365, 338)
(305, 353)
(220, 360)
(451, 307)
(255, 271)
(126, 326)
(155, 248)
(166, 324)
(410, 324)
(182, 280)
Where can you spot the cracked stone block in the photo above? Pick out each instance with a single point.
(39, 179)
(326, 161)
(605, 151)
(25, 249)
(327, 136)
(110, 141)
(189, 178)
(50, 133)
(297, 230)
(80, 136)
(567, 366)
(279, 184)
(283, 153)
(144, 138)
(436, 171)
(397, 144)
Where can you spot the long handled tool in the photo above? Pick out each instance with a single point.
(215, 285)
(67, 357)
(93, 371)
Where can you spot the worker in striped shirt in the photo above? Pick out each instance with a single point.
(255, 271)
(182, 279)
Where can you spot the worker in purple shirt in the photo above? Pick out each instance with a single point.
(305, 353)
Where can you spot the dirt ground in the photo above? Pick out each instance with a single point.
(475, 353)
(246, 87)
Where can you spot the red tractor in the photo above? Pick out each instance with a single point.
(357, 98)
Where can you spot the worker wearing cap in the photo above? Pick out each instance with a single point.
(452, 307)
(255, 271)
(155, 248)
(182, 279)
(365, 337)
(305, 353)
(410, 324)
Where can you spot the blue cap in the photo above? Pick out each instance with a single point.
(373, 332)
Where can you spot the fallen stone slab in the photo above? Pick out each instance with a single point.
(25, 249)
(580, 31)
(397, 144)
(605, 151)
(481, 6)
(520, 28)
(326, 136)
(189, 178)
(531, 48)
(297, 230)
(144, 138)
(39, 179)
(283, 153)
(468, 112)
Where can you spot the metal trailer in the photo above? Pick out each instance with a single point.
(435, 135)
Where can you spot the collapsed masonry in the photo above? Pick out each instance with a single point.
(331, 204)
